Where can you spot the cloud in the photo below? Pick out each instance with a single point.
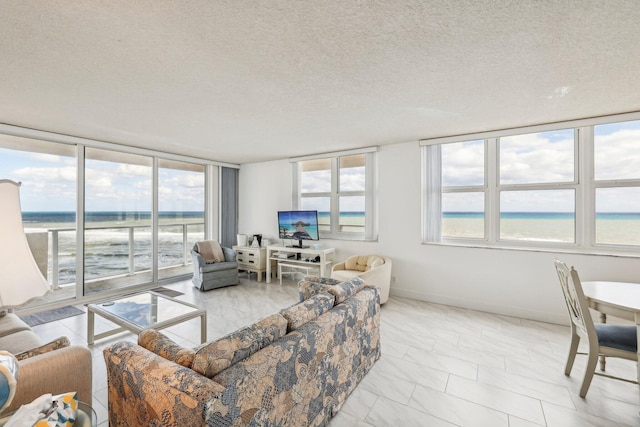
(128, 170)
(45, 176)
(537, 158)
(316, 181)
(547, 157)
(48, 158)
(617, 155)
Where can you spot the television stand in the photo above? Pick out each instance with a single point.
(326, 257)
(300, 245)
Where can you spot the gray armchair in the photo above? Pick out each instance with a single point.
(214, 275)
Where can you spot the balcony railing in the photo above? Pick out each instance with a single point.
(130, 231)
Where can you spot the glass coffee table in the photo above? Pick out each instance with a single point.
(143, 310)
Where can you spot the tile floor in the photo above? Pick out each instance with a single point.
(440, 365)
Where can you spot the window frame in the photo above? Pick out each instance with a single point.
(369, 193)
(27, 140)
(584, 185)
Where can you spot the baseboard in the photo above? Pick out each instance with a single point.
(474, 304)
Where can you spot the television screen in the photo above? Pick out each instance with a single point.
(298, 225)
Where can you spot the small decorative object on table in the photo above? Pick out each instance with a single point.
(47, 411)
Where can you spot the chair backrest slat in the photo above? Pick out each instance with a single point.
(575, 299)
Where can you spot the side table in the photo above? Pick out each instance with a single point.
(252, 259)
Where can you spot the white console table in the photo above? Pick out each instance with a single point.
(302, 256)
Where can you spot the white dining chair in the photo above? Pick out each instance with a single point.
(603, 339)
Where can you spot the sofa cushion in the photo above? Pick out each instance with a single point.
(312, 285)
(216, 356)
(363, 263)
(164, 346)
(218, 266)
(301, 313)
(20, 341)
(341, 290)
(344, 290)
(10, 323)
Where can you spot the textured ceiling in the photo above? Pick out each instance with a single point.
(247, 81)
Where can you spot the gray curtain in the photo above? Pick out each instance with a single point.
(433, 176)
(228, 206)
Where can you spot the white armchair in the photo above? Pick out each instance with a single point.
(375, 270)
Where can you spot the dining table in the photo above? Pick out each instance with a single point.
(618, 299)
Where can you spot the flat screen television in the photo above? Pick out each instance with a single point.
(298, 225)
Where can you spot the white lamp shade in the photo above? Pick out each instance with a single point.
(20, 278)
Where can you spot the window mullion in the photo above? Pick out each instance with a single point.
(335, 205)
(492, 195)
(585, 192)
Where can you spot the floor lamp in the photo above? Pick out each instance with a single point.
(20, 278)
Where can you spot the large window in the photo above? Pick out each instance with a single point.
(560, 188)
(48, 200)
(117, 218)
(536, 186)
(139, 212)
(180, 214)
(340, 188)
(463, 190)
(616, 161)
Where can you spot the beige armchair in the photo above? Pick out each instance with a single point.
(59, 371)
(54, 367)
(375, 270)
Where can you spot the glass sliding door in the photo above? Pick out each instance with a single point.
(181, 205)
(48, 173)
(117, 221)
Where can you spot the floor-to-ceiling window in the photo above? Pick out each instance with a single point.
(118, 194)
(48, 173)
(181, 205)
(139, 211)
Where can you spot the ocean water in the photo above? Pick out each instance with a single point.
(611, 228)
(107, 240)
(353, 222)
(107, 234)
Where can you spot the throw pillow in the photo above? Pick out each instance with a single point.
(301, 313)
(357, 263)
(346, 289)
(45, 348)
(63, 412)
(163, 346)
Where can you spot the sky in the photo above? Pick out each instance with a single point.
(546, 157)
(49, 180)
(49, 184)
(319, 181)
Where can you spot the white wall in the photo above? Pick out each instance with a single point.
(509, 282)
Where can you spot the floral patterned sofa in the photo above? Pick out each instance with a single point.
(293, 368)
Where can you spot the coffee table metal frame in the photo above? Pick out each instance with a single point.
(127, 325)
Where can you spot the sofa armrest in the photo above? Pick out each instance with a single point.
(338, 266)
(197, 259)
(59, 371)
(145, 389)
